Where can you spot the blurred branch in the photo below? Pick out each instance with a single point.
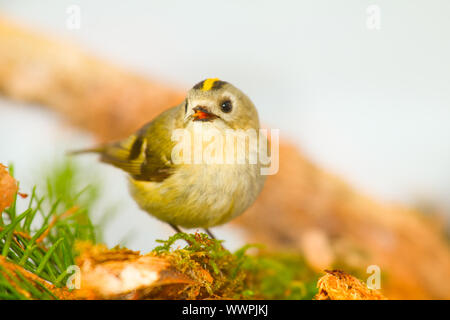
(91, 93)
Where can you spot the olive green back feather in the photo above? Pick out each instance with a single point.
(141, 159)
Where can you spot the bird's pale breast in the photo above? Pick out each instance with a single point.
(200, 195)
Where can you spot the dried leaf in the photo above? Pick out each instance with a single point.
(125, 274)
(8, 188)
(12, 269)
(338, 285)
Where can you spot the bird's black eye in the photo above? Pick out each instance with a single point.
(226, 106)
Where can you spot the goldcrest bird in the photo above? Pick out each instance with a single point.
(190, 195)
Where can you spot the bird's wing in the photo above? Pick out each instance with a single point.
(146, 154)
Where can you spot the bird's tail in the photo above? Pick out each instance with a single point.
(99, 149)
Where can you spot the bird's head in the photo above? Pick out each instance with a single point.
(213, 100)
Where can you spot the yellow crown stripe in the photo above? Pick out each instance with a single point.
(209, 83)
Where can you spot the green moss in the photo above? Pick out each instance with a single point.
(239, 275)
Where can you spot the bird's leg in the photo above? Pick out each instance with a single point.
(176, 228)
(210, 234)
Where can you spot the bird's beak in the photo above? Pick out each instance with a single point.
(202, 114)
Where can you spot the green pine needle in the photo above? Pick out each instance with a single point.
(44, 243)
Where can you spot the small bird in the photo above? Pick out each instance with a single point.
(190, 195)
